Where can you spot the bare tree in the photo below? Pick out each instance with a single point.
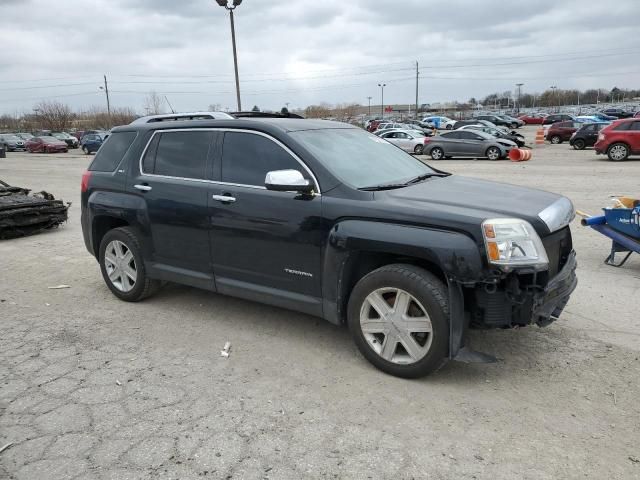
(54, 115)
(99, 118)
(153, 104)
(215, 107)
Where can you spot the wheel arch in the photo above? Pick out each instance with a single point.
(101, 225)
(358, 247)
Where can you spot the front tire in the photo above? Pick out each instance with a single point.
(618, 152)
(556, 140)
(398, 317)
(85, 150)
(493, 153)
(437, 153)
(122, 266)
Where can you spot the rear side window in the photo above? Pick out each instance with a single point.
(635, 126)
(179, 154)
(247, 157)
(112, 151)
(622, 126)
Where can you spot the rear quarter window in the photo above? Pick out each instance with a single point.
(112, 151)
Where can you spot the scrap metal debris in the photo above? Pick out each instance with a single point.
(58, 287)
(225, 351)
(8, 445)
(22, 213)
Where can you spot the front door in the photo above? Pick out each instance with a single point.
(265, 245)
(173, 186)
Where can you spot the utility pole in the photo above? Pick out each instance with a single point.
(369, 98)
(417, 75)
(231, 8)
(106, 91)
(382, 85)
(519, 85)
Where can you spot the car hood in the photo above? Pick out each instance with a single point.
(460, 202)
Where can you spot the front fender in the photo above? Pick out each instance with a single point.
(454, 253)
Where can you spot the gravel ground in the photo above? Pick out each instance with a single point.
(92, 387)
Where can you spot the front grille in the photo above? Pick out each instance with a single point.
(558, 246)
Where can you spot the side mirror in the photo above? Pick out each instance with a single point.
(287, 181)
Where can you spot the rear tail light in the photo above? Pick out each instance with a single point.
(601, 137)
(84, 184)
(426, 140)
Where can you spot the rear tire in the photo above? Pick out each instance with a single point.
(418, 149)
(85, 150)
(579, 144)
(121, 260)
(437, 153)
(618, 152)
(556, 140)
(426, 334)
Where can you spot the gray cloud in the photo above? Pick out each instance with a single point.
(308, 51)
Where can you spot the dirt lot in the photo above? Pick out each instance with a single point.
(92, 387)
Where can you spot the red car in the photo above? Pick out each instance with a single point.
(562, 131)
(620, 139)
(46, 145)
(533, 119)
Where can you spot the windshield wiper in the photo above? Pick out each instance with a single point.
(390, 186)
(420, 178)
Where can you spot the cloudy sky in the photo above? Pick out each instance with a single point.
(308, 51)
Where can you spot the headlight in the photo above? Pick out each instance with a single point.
(513, 242)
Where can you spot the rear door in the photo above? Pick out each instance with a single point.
(266, 245)
(470, 144)
(634, 136)
(172, 182)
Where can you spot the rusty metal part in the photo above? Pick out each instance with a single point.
(22, 213)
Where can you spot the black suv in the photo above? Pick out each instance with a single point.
(586, 135)
(500, 120)
(329, 220)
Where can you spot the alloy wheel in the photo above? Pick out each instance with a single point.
(493, 153)
(120, 266)
(618, 152)
(396, 326)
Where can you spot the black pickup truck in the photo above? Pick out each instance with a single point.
(326, 219)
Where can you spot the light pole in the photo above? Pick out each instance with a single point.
(519, 85)
(231, 8)
(106, 91)
(382, 85)
(553, 91)
(369, 98)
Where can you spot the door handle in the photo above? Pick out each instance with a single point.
(224, 198)
(144, 188)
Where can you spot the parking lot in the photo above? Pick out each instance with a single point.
(92, 387)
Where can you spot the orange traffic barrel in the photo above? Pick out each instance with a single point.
(540, 136)
(519, 155)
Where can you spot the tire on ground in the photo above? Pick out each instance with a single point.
(144, 286)
(433, 296)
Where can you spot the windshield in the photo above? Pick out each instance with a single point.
(360, 159)
(50, 140)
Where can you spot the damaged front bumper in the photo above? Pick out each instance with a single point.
(548, 305)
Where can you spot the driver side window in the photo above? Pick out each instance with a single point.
(248, 157)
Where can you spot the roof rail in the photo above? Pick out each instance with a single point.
(172, 117)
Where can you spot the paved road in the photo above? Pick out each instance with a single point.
(91, 387)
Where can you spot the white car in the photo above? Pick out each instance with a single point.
(411, 141)
(440, 122)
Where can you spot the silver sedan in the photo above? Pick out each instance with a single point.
(466, 143)
(411, 141)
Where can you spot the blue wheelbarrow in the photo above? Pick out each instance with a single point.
(622, 226)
